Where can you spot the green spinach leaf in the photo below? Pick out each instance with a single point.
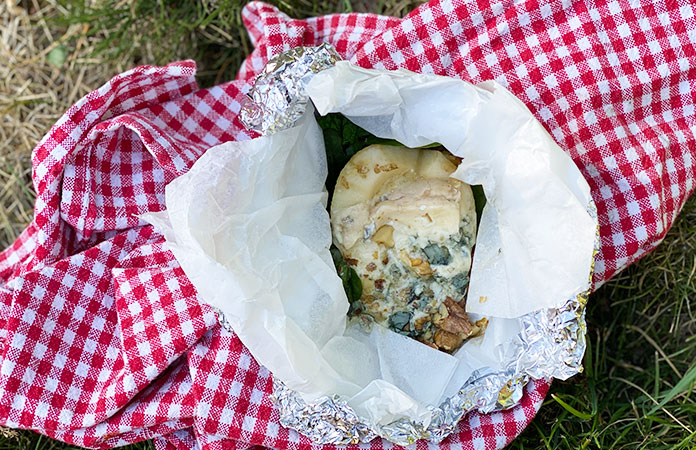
(479, 201)
(351, 281)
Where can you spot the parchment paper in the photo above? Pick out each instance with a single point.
(249, 226)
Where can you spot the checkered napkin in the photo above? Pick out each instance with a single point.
(103, 341)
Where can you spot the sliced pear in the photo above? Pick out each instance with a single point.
(372, 166)
(368, 170)
(383, 185)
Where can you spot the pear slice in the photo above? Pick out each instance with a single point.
(382, 184)
(370, 168)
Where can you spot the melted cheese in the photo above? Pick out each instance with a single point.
(407, 229)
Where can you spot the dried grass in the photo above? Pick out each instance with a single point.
(35, 90)
(52, 53)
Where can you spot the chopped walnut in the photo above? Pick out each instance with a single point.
(418, 265)
(479, 327)
(448, 341)
(420, 323)
(424, 269)
(384, 236)
(458, 320)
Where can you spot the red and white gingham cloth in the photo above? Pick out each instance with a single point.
(103, 341)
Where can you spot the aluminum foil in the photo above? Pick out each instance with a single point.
(278, 96)
(326, 421)
(551, 343)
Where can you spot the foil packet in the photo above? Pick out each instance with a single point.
(550, 345)
(548, 341)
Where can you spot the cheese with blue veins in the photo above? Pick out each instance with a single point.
(408, 231)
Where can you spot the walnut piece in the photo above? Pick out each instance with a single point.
(420, 323)
(457, 321)
(448, 341)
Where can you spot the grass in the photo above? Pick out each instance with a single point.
(637, 391)
(209, 31)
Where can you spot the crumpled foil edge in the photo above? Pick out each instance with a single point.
(278, 98)
(551, 343)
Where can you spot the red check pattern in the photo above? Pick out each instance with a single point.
(103, 341)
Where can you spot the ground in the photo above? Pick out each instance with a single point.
(637, 388)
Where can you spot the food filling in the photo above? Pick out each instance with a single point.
(408, 229)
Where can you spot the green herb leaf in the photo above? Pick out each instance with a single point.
(479, 201)
(351, 281)
(354, 289)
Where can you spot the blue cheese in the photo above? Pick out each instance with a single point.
(408, 230)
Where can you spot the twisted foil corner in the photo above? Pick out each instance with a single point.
(278, 98)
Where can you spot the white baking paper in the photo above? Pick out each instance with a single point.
(536, 238)
(249, 226)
